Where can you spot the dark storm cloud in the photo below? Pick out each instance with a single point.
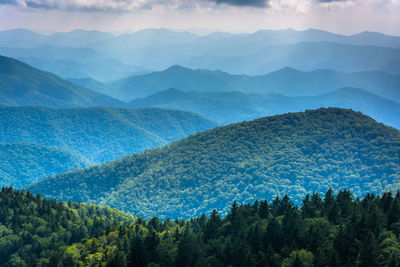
(330, 1)
(126, 5)
(250, 3)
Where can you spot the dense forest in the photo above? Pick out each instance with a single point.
(337, 230)
(22, 163)
(100, 133)
(295, 153)
(32, 229)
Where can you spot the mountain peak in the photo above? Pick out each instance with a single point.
(177, 68)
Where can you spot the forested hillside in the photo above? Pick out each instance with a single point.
(22, 164)
(32, 229)
(98, 134)
(295, 153)
(337, 230)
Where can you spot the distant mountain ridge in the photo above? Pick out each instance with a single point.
(100, 69)
(295, 153)
(230, 107)
(286, 81)
(21, 85)
(81, 37)
(253, 54)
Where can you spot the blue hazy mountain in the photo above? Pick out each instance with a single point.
(22, 164)
(78, 38)
(256, 53)
(98, 134)
(305, 56)
(290, 36)
(148, 38)
(20, 38)
(92, 84)
(286, 81)
(229, 107)
(102, 69)
(26, 38)
(80, 54)
(23, 37)
(176, 76)
(21, 84)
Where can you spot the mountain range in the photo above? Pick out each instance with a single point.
(156, 49)
(230, 107)
(294, 153)
(286, 81)
(79, 38)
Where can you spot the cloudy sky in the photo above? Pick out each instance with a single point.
(340, 16)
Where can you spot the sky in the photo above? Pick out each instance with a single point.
(339, 16)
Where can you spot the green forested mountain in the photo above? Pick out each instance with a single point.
(295, 153)
(229, 107)
(22, 164)
(286, 81)
(337, 230)
(32, 229)
(21, 84)
(98, 134)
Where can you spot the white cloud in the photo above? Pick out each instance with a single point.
(347, 17)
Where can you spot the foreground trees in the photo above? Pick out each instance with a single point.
(336, 230)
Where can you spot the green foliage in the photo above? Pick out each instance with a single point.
(295, 153)
(99, 134)
(22, 164)
(35, 231)
(245, 237)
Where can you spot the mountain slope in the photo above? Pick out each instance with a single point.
(228, 107)
(22, 164)
(295, 153)
(98, 134)
(21, 84)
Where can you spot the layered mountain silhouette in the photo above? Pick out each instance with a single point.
(286, 81)
(156, 49)
(229, 107)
